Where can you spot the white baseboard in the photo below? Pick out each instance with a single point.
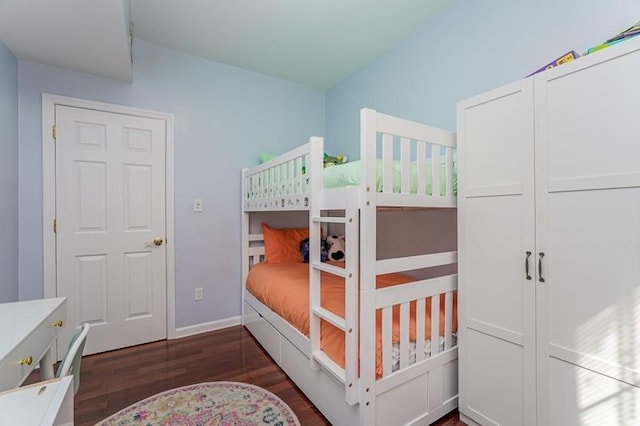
(207, 326)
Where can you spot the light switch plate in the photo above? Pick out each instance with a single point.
(197, 205)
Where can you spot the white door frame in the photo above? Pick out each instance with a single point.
(49, 103)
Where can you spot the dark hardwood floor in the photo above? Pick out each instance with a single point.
(114, 380)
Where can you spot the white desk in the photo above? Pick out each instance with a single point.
(27, 331)
(41, 404)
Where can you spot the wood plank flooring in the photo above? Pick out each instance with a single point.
(114, 380)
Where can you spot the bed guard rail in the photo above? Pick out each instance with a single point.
(402, 158)
(280, 184)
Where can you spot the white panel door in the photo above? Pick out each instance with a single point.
(110, 206)
(588, 211)
(496, 231)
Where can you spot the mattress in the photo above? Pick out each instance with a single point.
(349, 174)
(284, 288)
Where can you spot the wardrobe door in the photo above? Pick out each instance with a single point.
(496, 231)
(588, 227)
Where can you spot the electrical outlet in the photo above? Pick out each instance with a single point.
(198, 293)
(197, 205)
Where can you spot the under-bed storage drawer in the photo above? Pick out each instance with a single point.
(264, 332)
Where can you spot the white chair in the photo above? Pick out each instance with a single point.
(71, 362)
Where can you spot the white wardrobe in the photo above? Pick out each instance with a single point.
(549, 246)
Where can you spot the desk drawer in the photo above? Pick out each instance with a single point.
(34, 345)
(43, 403)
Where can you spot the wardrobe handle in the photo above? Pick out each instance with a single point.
(526, 265)
(540, 256)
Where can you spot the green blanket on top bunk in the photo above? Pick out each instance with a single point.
(342, 175)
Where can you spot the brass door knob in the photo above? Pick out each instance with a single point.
(157, 241)
(28, 360)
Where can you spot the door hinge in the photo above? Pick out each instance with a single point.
(55, 226)
(54, 131)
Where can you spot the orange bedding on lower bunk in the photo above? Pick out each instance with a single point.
(284, 288)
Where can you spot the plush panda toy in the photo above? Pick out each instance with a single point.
(336, 247)
(304, 250)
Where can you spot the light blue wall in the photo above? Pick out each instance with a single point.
(8, 175)
(468, 48)
(223, 117)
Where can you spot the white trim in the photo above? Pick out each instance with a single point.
(204, 327)
(49, 103)
(170, 231)
(48, 197)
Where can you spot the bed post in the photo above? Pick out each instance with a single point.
(245, 241)
(314, 172)
(368, 135)
(352, 301)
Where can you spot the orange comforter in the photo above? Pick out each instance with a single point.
(284, 288)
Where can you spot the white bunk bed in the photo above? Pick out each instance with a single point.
(400, 159)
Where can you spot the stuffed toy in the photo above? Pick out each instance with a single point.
(336, 247)
(332, 161)
(304, 250)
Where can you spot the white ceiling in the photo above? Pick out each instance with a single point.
(312, 42)
(88, 36)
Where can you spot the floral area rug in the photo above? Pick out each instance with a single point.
(204, 404)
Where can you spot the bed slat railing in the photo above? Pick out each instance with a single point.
(280, 184)
(387, 164)
(405, 165)
(435, 170)
(387, 335)
(401, 264)
(416, 172)
(411, 129)
(415, 160)
(397, 294)
(420, 327)
(254, 252)
(404, 335)
(448, 326)
(449, 172)
(421, 167)
(400, 300)
(435, 325)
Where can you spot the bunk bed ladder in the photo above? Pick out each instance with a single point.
(348, 324)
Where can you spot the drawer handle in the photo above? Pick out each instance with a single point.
(28, 360)
(526, 265)
(58, 323)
